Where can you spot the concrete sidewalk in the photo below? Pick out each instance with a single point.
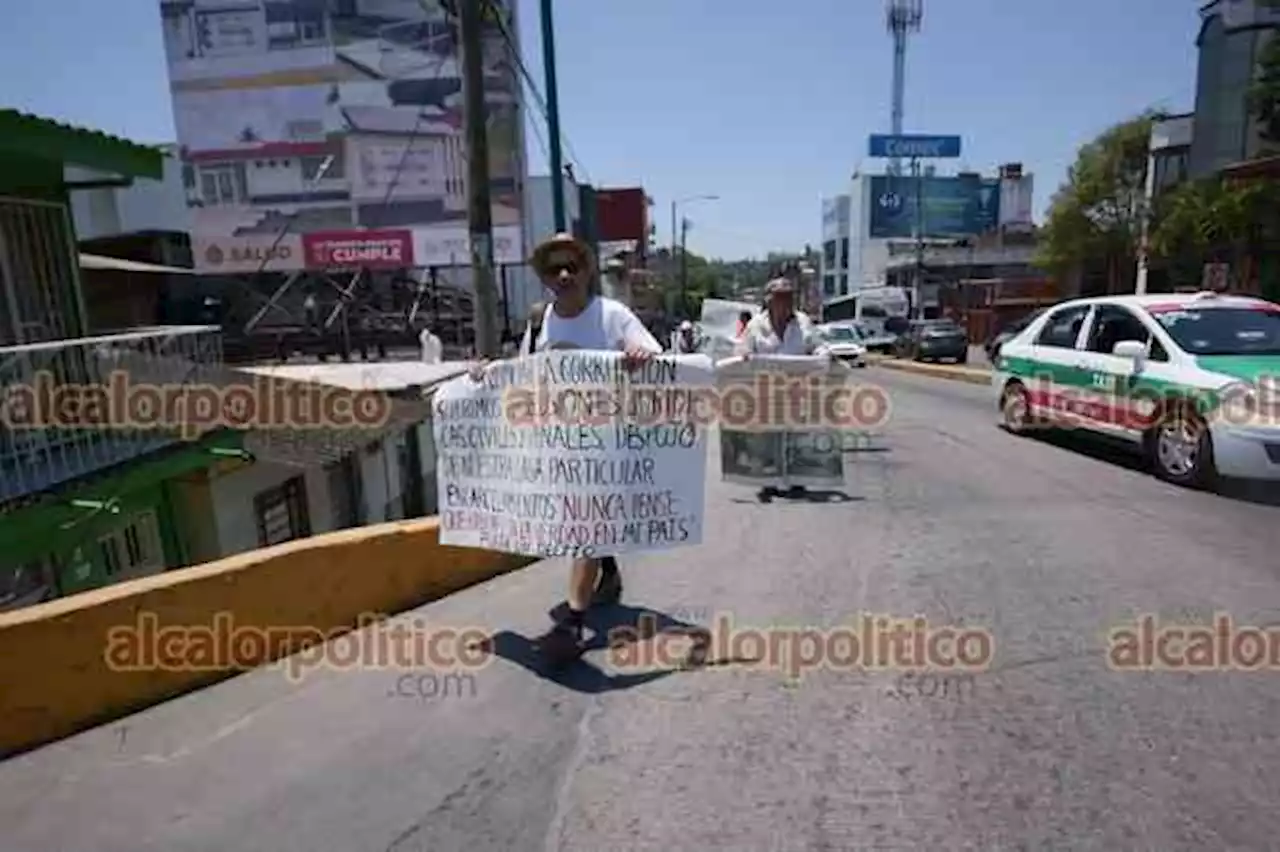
(977, 371)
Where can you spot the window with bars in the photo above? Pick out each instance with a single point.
(133, 549)
(282, 513)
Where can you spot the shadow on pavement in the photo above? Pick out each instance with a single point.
(623, 631)
(1122, 455)
(807, 496)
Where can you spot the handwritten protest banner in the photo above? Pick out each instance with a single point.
(804, 404)
(567, 453)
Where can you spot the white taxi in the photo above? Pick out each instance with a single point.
(1190, 379)
(845, 342)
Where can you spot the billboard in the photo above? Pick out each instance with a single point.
(952, 206)
(622, 214)
(328, 133)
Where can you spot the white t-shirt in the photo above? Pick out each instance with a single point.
(432, 348)
(604, 325)
(798, 338)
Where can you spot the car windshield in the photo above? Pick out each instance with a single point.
(841, 334)
(1223, 331)
(940, 327)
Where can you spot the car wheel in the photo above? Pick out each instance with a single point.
(1180, 448)
(962, 358)
(1015, 409)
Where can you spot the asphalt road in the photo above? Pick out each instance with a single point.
(1046, 546)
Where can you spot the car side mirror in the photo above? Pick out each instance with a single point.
(1134, 350)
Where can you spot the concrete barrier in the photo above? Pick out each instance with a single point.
(954, 372)
(67, 665)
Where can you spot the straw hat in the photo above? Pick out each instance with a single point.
(559, 242)
(779, 287)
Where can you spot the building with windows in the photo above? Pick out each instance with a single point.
(1221, 135)
(81, 504)
(1232, 35)
(1220, 131)
(833, 261)
(96, 492)
(877, 220)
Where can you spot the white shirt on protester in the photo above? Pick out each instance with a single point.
(798, 338)
(604, 325)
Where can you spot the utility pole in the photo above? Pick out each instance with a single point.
(553, 115)
(916, 308)
(684, 269)
(675, 235)
(479, 209)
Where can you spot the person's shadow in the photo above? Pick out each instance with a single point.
(632, 635)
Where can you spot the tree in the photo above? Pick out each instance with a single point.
(1215, 220)
(1096, 218)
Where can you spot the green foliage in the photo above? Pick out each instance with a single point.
(1097, 216)
(709, 278)
(1214, 221)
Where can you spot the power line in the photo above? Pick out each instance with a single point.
(542, 141)
(532, 85)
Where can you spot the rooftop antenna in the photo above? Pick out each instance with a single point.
(902, 17)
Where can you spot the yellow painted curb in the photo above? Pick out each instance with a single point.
(84, 660)
(955, 373)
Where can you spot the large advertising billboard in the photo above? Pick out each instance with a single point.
(328, 133)
(952, 206)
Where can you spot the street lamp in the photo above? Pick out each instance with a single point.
(677, 240)
(675, 234)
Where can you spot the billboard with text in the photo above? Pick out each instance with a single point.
(330, 131)
(951, 206)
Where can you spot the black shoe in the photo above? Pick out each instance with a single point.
(797, 491)
(765, 495)
(561, 644)
(609, 585)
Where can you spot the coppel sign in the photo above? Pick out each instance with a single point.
(913, 147)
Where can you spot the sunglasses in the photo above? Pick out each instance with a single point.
(555, 267)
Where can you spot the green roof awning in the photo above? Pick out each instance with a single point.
(31, 137)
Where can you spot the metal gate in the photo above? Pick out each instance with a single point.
(39, 274)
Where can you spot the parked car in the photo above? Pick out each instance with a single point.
(876, 338)
(934, 340)
(1186, 379)
(845, 342)
(993, 343)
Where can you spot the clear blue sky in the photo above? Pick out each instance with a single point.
(764, 103)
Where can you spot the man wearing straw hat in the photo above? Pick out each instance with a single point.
(778, 330)
(577, 318)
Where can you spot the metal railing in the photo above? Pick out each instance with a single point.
(69, 408)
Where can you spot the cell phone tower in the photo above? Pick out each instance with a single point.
(902, 17)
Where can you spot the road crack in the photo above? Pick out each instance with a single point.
(581, 748)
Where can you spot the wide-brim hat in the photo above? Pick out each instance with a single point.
(779, 287)
(559, 242)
